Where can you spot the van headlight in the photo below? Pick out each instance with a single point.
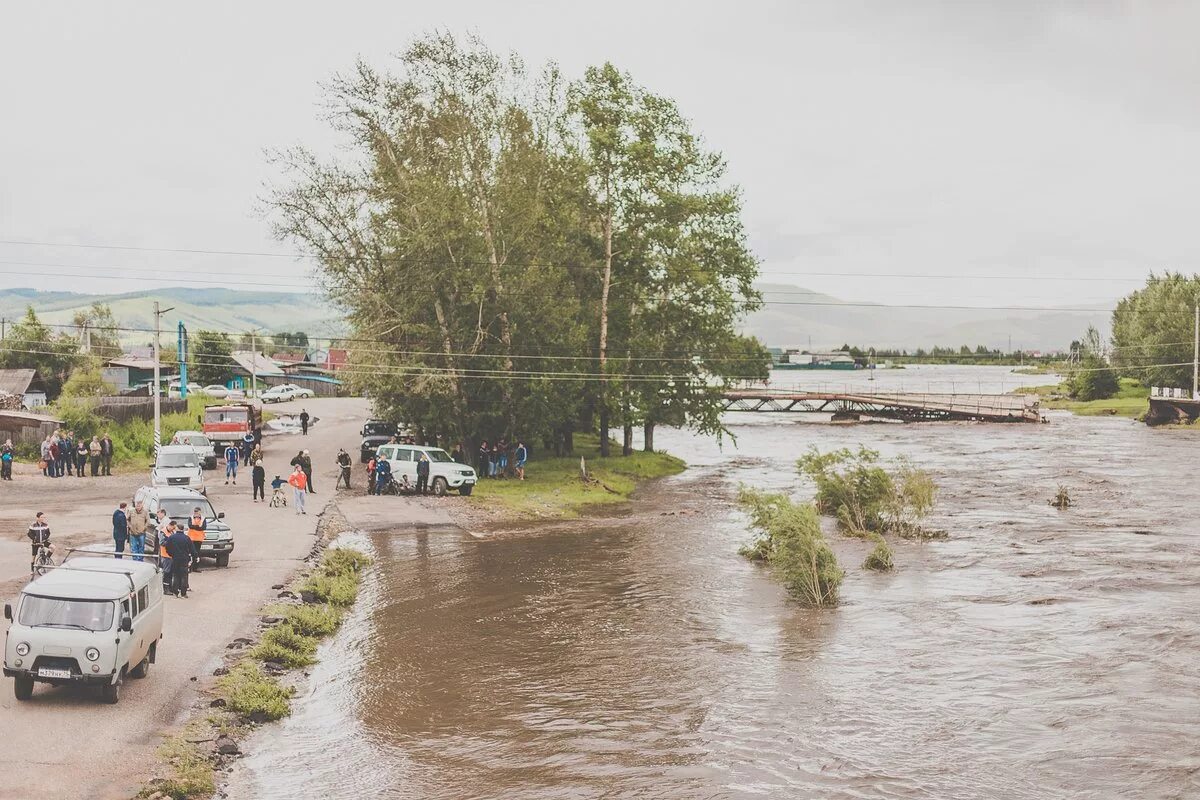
(92, 654)
(23, 649)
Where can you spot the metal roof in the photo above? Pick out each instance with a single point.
(256, 362)
(92, 579)
(133, 362)
(18, 381)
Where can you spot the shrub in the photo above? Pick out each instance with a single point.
(863, 496)
(192, 771)
(880, 558)
(790, 540)
(1061, 500)
(1093, 379)
(284, 645)
(251, 693)
(85, 382)
(313, 620)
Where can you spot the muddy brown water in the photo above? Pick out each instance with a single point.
(1033, 654)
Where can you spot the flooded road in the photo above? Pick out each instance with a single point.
(1033, 654)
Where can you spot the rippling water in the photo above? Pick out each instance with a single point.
(1034, 654)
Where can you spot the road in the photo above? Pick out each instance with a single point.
(65, 742)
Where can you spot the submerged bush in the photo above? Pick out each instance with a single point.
(880, 558)
(1061, 500)
(864, 496)
(790, 540)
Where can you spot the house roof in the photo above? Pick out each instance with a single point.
(133, 362)
(256, 362)
(20, 381)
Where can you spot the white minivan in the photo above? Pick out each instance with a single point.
(444, 472)
(91, 621)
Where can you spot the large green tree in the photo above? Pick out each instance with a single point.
(210, 357)
(30, 344)
(1152, 330)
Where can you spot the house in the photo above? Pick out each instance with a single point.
(248, 363)
(331, 359)
(26, 384)
(128, 372)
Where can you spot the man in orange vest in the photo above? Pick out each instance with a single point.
(196, 528)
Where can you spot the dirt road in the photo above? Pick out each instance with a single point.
(64, 742)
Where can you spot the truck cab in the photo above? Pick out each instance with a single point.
(92, 621)
(229, 423)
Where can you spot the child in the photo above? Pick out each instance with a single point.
(278, 498)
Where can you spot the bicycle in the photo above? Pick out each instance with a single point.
(43, 562)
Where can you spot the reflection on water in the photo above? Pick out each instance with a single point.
(1034, 654)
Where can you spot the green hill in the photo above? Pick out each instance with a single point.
(217, 309)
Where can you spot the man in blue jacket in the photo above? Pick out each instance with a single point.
(120, 529)
(179, 548)
(232, 456)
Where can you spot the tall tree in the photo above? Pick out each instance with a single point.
(1152, 330)
(210, 357)
(30, 344)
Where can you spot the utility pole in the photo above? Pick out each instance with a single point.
(157, 377)
(181, 352)
(3, 325)
(254, 363)
(1196, 358)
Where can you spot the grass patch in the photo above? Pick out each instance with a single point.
(552, 487)
(251, 693)
(336, 581)
(1131, 400)
(313, 620)
(287, 647)
(192, 771)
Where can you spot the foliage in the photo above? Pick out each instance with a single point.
(85, 382)
(29, 344)
(790, 541)
(864, 496)
(99, 330)
(1129, 401)
(1090, 376)
(299, 339)
(313, 620)
(284, 645)
(251, 693)
(1062, 498)
(880, 559)
(336, 580)
(192, 771)
(209, 357)
(1152, 330)
(481, 238)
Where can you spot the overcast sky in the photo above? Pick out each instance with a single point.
(1007, 144)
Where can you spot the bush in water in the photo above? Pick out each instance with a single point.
(880, 558)
(790, 540)
(864, 496)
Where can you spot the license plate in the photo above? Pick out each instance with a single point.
(54, 673)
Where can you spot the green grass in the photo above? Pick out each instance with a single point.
(1131, 400)
(249, 691)
(192, 772)
(552, 487)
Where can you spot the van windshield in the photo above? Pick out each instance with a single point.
(177, 460)
(55, 612)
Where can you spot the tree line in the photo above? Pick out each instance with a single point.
(519, 254)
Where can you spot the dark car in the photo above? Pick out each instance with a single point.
(375, 432)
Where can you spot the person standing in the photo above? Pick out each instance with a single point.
(343, 462)
(371, 467)
(299, 484)
(54, 456)
(160, 525)
(179, 549)
(304, 422)
(258, 477)
(458, 455)
(485, 460)
(120, 529)
(522, 455)
(45, 456)
(66, 450)
(423, 474)
(39, 536)
(7, 453)
(106, 453)
(256, 455)
(139, 522)
(306, 465)
(81, 457)
(383, 474)
(195, 533)
(94, 452)
(247, 448)
(232, 457)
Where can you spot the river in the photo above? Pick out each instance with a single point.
(1033, 654)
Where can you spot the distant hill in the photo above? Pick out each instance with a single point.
(218, 309)
(795, 316)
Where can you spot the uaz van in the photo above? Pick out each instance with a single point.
(92, 621)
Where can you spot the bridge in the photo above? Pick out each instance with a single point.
(909, 407)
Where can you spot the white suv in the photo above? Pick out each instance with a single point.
(201, 444)
(444, 472)
(178, 465)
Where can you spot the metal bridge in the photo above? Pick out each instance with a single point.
(909, 407)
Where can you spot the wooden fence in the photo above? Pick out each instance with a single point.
(123, 409)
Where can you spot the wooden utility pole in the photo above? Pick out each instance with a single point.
(157, 387)
(1196, 358)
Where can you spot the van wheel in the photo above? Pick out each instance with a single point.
(111, 692)
(223, 560)
(142, 669)
(465, 490)
(23, 687)
(439, 487)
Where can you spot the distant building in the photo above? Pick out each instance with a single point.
(247, 364)
(129, 371)
(26, 384)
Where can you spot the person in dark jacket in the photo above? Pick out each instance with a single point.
(458, 455)
(39, 536)
(179, 549)
(304, 422)
(81, 457)
(247, 448)
(7, 454)
(485, 458)
(120, 530)
(259, 478)
(423, 475)
(343, 462)
(106, 454)
(66, 448)
(196, 528)
(383, 474)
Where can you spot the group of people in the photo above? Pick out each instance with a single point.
(494, 460)
(62, 453)
(379, 475)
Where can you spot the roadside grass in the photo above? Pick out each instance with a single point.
(552, 486)
(1131, 400)
(254, 694)
(192, 771)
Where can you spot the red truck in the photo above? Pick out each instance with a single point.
(229, 423)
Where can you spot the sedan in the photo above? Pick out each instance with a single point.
(215, 390)
(278, 394)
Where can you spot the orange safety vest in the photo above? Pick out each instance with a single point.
(195, 532)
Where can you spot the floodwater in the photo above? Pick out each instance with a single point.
(1033, 654)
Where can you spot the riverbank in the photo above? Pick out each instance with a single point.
(1132, 400)
(553, 487)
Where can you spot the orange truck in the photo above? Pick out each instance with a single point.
(228, 424)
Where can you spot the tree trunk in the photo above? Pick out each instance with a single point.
(627, 441)
(568, 440)
(648, 437)
(604, 329)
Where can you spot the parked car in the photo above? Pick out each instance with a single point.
(278, 394)
(92, 621)
(444, 472)
(173, 388)
(216, 390)
(201, 444)
(218, 536)
(178, 465)
(375, 432)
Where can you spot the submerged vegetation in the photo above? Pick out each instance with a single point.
(866, 497)
(880, 558)
(1062, 499)
(791, 542)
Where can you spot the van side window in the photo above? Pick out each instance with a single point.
(404, 454)
(129, 607)
(143, 599)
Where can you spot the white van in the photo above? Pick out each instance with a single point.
(178, 465)
(90, 621)
(444, 472)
